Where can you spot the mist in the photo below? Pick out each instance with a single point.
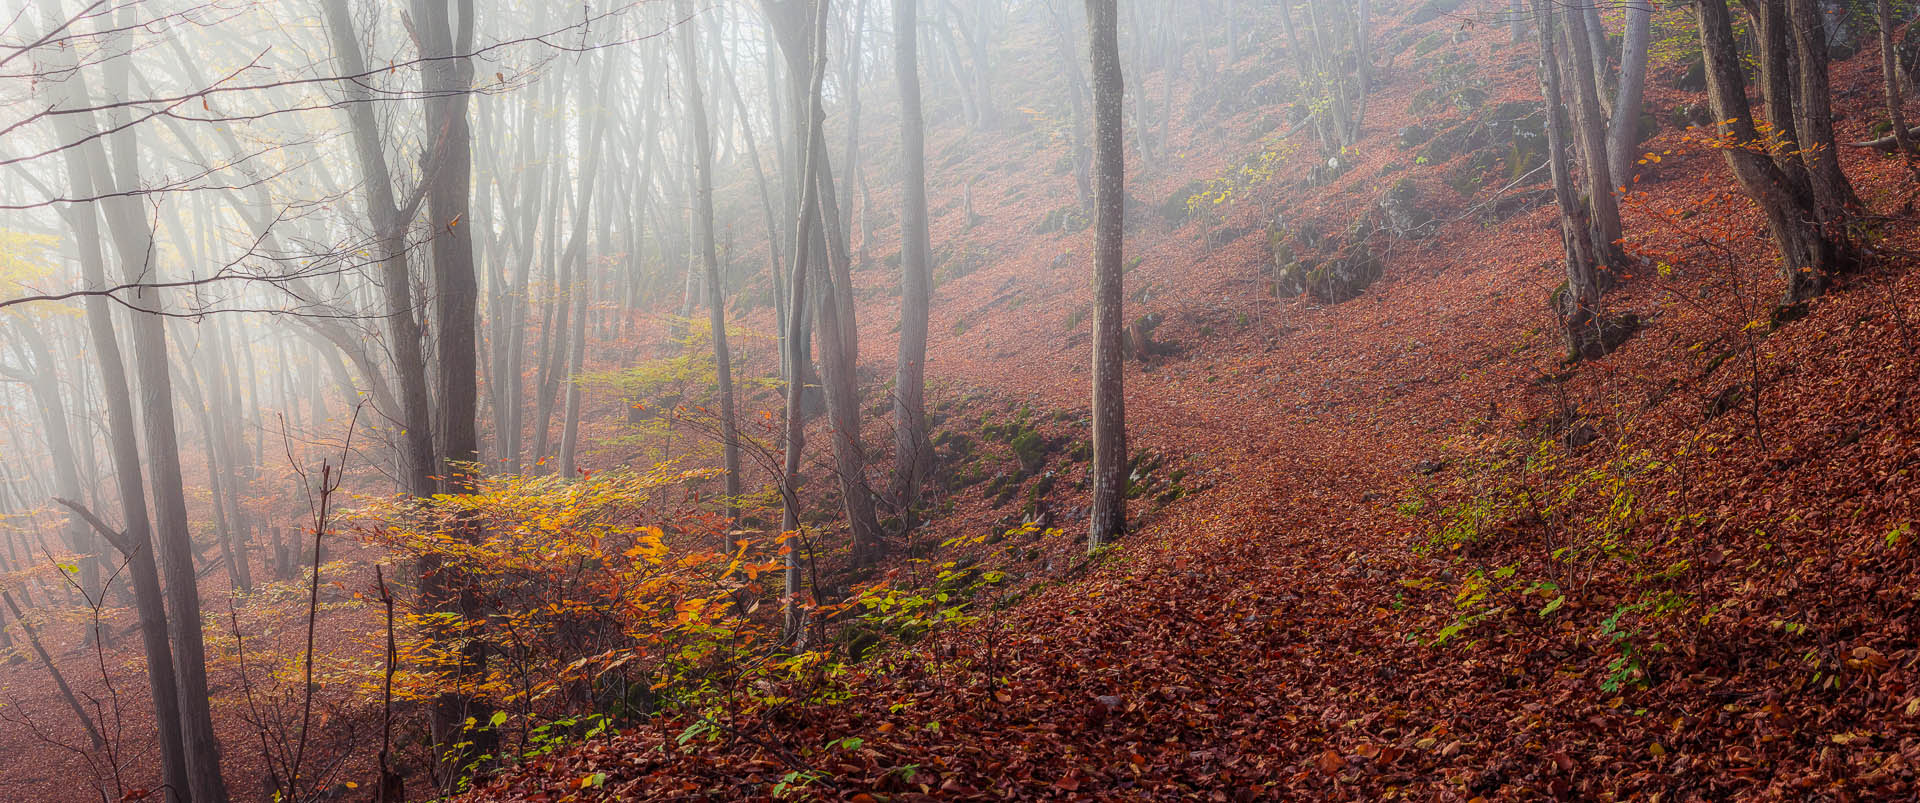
(402, 400)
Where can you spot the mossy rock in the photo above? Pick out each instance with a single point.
(1030, 448)
(1693, 77)
(1400, 207)
(1174, 210)
(1064, 220)
(1333, 280)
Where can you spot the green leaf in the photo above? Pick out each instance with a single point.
(1553, 606)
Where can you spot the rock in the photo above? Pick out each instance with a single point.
(1578, 437)
(1414, 136)
(1694, 77)
(1909, 51)
(1843, 37)
(1405, 218)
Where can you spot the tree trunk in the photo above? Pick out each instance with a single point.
(45, 384)
(1890, 71)
(1590, 124)
(581, 290)
(1813, 107)
(912, 451)
(445, 31)
(389, 223)
(1623, 131)
(59, 680)
(716, 292)
(1109, 508)
(1808, 257)
(133, 242)
(839, 355)
(784, 16)
(1579, 305)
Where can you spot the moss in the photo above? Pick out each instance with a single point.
(1031, 450)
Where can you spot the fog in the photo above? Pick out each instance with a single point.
(321, 319)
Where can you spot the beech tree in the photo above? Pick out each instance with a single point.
(703, 231)
(1579, 303)
(913, 452)
(1812, 248)
(1108, 517)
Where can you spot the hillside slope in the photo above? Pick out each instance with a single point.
(1430, 560)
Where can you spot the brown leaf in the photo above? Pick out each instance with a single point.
(1331, 762)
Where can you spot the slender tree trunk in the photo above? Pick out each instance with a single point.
(59, 680)
(31, 348)
(1890, 71)
(389, 223)
(839, 356)
(1590, 126)
(716, 291)
(133, 242)
(1579, 306)
(1109, 509)
(788, 13)
(581, 290)
(912, 451)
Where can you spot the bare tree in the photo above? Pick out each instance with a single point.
(1109, 509)
(912, 451)
(703, 232)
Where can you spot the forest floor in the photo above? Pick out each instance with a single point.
(1427, 558)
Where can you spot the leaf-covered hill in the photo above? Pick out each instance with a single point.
(1430, 559)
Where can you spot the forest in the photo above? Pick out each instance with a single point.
(891, 400)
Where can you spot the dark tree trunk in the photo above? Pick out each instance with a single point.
(389, 220)
(133, 242)
(445, 31)
(1809, 258)
(1813, 109)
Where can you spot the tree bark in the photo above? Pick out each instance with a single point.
(1813, 107)
(912, 451)
(581, 290)
(716, 292)
(1623, 131)
(445, 32)
(1109, 507)
(1590, 123)
(1890, 70)
(1809, 258)
(1579, 306)
(389, 220)
(133, 242)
